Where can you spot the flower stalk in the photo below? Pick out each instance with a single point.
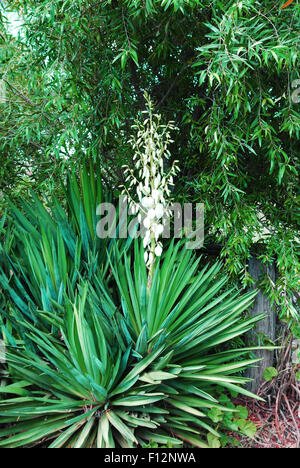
(149, 184)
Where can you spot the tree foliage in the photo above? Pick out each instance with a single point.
(223, 71)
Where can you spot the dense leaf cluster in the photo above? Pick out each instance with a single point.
(223, 70)
(97, 358)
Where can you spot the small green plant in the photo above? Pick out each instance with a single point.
(270, 373)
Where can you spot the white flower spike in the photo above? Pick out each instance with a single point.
(149, 190)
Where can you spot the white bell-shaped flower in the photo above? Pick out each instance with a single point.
(133, 209)
(147, 239)
(150, 258)
(147, 223)
(147, 202)
(158, 250)
(156, 195)
(156, 182)
(151, 214)
(157, 229)
(159, 211)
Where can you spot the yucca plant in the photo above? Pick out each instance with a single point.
(98, 356)
(125, 366)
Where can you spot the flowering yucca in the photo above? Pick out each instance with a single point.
(91, 358)
(149, 186)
